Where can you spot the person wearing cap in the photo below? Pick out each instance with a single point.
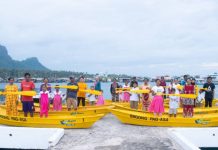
(72, 95)
(10, 99)
(114, 86)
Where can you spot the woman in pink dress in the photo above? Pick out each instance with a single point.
(44, 102)
(126, 94)
(100, 101)
(157, 104)
(57, 100)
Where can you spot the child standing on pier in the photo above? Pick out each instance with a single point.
(44, 102)
(126, 95)
(174, 103)
(57, 99)
(134, 97)
(100, 101)
(157, 104)
(92, 97)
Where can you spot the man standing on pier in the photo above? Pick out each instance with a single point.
(209, 89)
(27, 101)
(72, 95)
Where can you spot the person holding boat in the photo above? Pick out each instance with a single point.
(81, 96)
(27, 101)
(72, 95)
(11, 100)
(209, 89)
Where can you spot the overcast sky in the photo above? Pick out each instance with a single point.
(141, 37)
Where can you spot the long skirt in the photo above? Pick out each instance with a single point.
(157, 105)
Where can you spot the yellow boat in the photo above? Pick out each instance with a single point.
(180, 110)
(81, 111)
(148, 119)
(50, 122)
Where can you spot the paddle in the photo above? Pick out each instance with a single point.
(140, 91)
(93, 92)
(72, 87)
(191, 96)
(23, 93)
(134, 91)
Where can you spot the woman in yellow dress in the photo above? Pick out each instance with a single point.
(10, 99)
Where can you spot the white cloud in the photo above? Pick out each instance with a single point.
(136, 37)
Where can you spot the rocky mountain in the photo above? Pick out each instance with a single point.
(6, 62)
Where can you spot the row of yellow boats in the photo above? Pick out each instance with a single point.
(86, 117)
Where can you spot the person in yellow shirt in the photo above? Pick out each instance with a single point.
(11, 100)
(81, 96)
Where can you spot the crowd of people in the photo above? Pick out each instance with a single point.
(74, 97)
(152, 101)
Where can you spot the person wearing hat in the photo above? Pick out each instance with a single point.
(114, 86)
(72, 95)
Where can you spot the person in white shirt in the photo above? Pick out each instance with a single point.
(92, 97)
(157, 104)
(174, 103)
(134, 97)
(175, 85)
